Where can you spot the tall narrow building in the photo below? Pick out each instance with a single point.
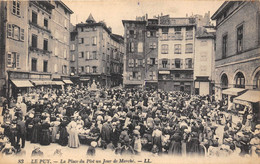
(176, 53)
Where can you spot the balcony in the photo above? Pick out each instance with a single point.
(39, 27)
(35, 49)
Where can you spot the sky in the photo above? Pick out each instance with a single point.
(114, 11)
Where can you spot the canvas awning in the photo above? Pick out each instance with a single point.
(249, 96)
(164, 72)
(43, 82)
(22, 83)
(59, 83)
(67, 81)
(233, 91)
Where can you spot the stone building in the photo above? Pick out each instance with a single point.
(29, 36)
(14, 48)
(95, 46)
(176, 53)
(204, 60)
(237, 59)
(134, 60)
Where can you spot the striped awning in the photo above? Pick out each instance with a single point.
(59, 83)
(67, 81)
(233, 91)
(22, 83)
(43, 82)
(249, 96)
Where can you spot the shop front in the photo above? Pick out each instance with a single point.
(250, 98)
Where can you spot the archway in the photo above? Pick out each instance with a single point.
(256, 81)
(239, 80)
(224, 81)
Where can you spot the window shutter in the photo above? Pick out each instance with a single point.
(136, 62)
(154, 45)
(157, 34)
(17, 60)
(90, 69)
(160, 62)
(90, 56)
(10, 31)
(192, 63)
(129, 63)
(131, 76)
(168, 63)
(139, 76)
(148, 34)
(132, 47)
(173, 63)
(22, 34)
(154, 75)
(150, 45)
(181, 63)
(87, 55)
(9, 59)
(129, 47)
(148, 61)
(127, 33)
(186, 63)
(143, 62)
(156, 61)
(134, 33)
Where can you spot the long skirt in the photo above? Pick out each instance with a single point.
(73, 139)
(35, 134)
(63, 140)
(54, 132)
(175, 148)
(45, 137)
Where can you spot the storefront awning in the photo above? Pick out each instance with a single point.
(22, 83)
(164, 72)
(249, 96)
(59, 83)
(67, 81)
(43, 82)
(233, 91)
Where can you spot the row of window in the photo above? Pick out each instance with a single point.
(35, 20)
(88, 55)
(94, 40)
(135, 75)
(177, 48)
(88, 69)
(176, 63)
(239, 42)
(34, 43)
(34, 66)
(88, 29)
(141, 62)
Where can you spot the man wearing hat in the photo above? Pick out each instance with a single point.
(106, 131)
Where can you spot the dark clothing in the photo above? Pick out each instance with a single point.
(21, 132)
(63, 140)
(45, 134)
(91, 151)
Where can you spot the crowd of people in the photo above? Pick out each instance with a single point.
(129, 121)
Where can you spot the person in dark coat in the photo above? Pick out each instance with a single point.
(106, 133)
(45, 138)
(175, 147)
(194, 144)
(36, 129)
(63, 140)
(21, 131)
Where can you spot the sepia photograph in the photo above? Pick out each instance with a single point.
(129, 81)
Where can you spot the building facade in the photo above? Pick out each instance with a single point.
(14, 46)
(237, 59)
(28, 44)
(97, 50)
(134, 60)
(176, 53)
(204, 60)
